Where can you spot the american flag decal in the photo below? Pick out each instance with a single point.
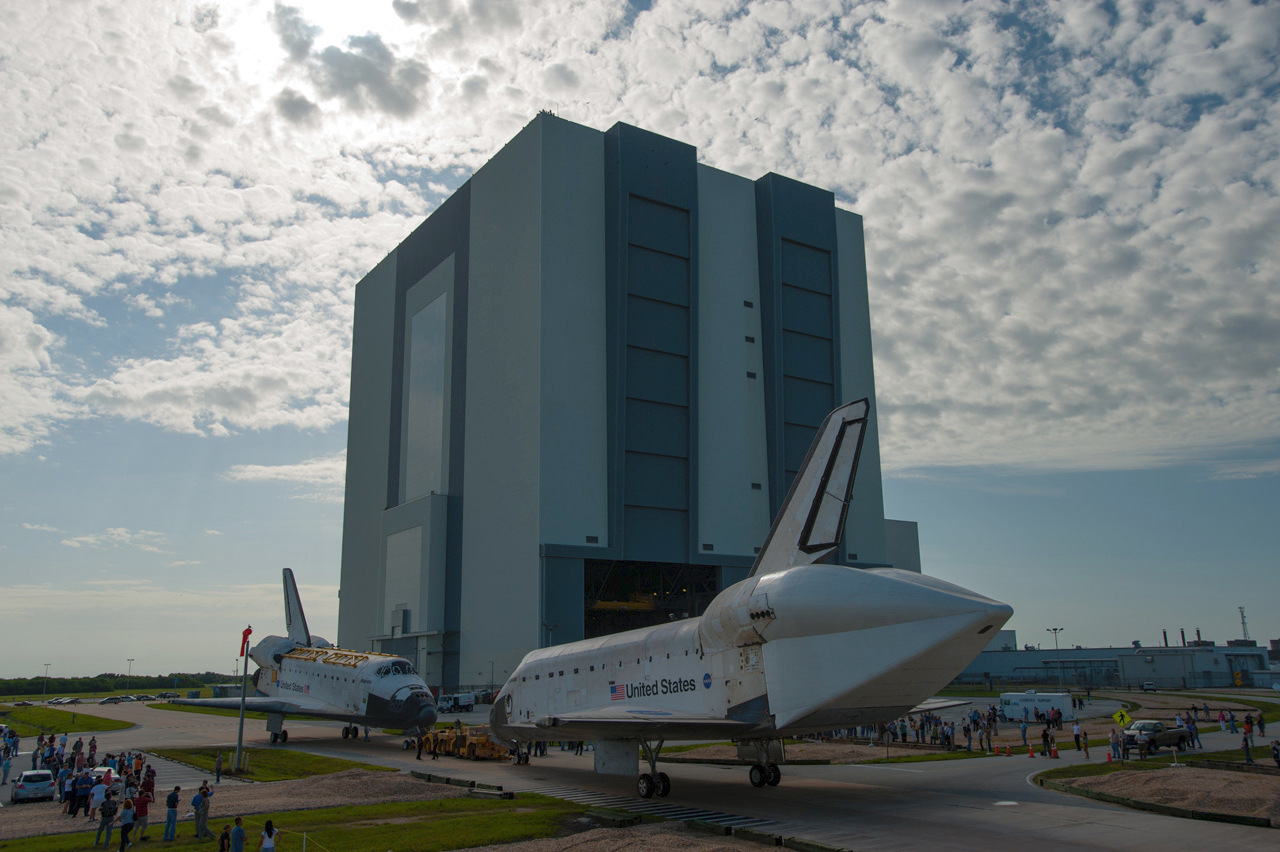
(617, 693)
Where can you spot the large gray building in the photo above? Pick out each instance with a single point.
(580, 390)
(1194, 665)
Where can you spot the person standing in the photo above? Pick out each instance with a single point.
(126, 818)
(142, 808)
(1084, 738)
(224, 839)
(8, 767)
(171, 815)
(422, 738)
(200, 804)
(217, 769)
(83, 789)
(1275, 752)
(1195, 736)
(1244, 746)
(93, 750)
(267, 842)
(96, 797)
(1075, 732)
(1231, 721)
(237, 837)
(106, 821)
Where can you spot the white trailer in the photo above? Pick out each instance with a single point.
(1013, 704)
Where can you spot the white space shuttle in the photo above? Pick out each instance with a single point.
(795, 648)
(304, 675)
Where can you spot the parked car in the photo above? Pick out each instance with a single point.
(127, 698)
(1149, 687)
(166, 695)
(110, 699)
(22, 704)
(72, 700)
(32, 785)
(100, 772)
(146, 698)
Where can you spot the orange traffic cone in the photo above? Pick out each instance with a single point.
(1054, 753)
(1007, 752)
(1108, 755)
(1031, 752)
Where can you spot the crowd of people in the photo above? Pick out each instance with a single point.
(118, 791)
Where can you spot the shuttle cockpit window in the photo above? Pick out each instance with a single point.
(396, 667)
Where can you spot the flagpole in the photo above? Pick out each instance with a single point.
(244, 680)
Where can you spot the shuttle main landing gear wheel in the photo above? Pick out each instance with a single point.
(653, 781)
(282, 737)
(764, 771)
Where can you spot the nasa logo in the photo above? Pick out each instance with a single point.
(706, 680)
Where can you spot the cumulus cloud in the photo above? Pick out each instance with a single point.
(318, 479)
(296, 35)
(41, 528)
(1069, 215)
(117, 537)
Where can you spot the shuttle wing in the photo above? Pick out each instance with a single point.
(301, 705)
(937, 704)
(810, 524)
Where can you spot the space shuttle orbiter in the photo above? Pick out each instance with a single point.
(799, 646)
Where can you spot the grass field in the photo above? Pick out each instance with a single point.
(268, 764)
(1270, 712)
(211, 711)
(431, 826)
(32, 721)
(1160, 761)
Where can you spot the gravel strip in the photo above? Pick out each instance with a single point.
(350, 787)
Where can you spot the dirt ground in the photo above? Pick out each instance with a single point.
(659, 837)
(1201, 789)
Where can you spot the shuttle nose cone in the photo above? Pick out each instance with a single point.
(427, 716)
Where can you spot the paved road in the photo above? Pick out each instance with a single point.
(985, 804)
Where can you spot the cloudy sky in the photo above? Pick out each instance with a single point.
(1071, 213)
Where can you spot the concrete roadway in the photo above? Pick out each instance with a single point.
(981, 804)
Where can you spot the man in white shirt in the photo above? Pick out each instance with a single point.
(1075, 732)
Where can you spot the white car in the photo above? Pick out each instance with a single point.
(32, 785)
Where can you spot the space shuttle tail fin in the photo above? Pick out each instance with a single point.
(294, 618)
(810, 524)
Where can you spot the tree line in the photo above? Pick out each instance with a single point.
(111, 683)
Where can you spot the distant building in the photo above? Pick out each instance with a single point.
(580, 391)
(1193, 666)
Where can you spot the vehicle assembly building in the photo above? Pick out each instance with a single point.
(580, 391)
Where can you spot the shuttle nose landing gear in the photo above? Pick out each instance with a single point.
(652, 782)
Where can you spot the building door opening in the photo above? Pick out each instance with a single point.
(623, 595)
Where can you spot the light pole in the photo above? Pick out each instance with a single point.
(45, 694)
(128, 676)
(1055, 631)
